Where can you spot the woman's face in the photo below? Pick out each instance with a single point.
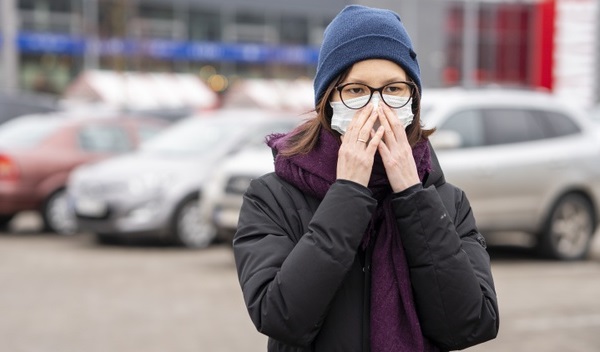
(375, 73)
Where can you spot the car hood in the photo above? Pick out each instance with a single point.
(126, 167)
(250, 162)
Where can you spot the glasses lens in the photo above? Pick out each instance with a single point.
(355, 95)
(397, 94)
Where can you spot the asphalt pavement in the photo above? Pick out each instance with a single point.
(70, 294)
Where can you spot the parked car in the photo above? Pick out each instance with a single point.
(154, 191)
(222, 199)
(37, 153)
(527, 162)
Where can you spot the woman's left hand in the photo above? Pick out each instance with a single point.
(396, 152)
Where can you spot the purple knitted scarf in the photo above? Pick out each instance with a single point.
(394, 322)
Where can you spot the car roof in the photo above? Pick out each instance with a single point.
(489, 95)
(444, 100)
(78, 117)
(248, 114)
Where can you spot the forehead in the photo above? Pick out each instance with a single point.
(377, 69)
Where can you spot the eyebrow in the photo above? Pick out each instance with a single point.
(396, 79)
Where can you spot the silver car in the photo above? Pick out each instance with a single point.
(527, 162)
(155, 191)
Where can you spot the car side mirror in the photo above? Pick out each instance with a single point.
(446, 139)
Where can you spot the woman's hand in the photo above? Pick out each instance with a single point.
(357, 152)
(396, 152)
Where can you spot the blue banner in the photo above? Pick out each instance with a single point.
(31, 42)
(50, 43)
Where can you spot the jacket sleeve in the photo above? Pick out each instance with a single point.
(449, 265)
(288, 277)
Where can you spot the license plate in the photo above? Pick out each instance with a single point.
(90, 207)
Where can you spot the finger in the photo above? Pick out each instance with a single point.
(389, 136)
(358, 121)
(367, 128)
(375, 141)
(384, 150)
(395, 123)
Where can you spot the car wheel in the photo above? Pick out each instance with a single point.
(5, 221)
(58, 216)
(107, 239)
(189, 230)
(569, 229)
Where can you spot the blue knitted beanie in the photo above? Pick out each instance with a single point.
(359, 33)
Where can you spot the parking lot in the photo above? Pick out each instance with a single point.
(69, 294)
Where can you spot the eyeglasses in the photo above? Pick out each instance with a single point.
(357, 95)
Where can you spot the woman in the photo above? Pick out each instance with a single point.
(356, 242)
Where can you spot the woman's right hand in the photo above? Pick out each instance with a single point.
(359, 144)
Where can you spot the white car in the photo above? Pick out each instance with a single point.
(527, 162)
(155, 191)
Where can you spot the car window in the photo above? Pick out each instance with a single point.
(195, 136)
(503, 126)
(146, 132)
(468, 124)
(27, 132)
(558, 124)
(103, 138)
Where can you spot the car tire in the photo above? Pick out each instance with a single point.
(5, 221)
(107, 239)
(188, 230)
(57, 215)
(569, 229)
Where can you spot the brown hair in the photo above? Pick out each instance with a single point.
(305, 137)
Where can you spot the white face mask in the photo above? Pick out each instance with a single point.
(342, 115)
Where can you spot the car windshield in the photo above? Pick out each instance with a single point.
(195, 135)
(27, 132)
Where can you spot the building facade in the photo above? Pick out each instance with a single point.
(459, 42)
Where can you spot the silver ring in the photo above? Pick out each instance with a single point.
(361, 140)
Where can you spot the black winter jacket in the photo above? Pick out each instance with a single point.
(306, 282)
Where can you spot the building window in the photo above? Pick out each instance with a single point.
(250, 27)
(204, 26)
(46, 5)
(503, 48)
(293, 30)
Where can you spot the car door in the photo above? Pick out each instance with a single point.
(509, 163)
(525, 163)
(468, 166)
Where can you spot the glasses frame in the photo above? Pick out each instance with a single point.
(372, 90)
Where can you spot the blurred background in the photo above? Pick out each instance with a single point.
(49, 45)
(130, 129)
